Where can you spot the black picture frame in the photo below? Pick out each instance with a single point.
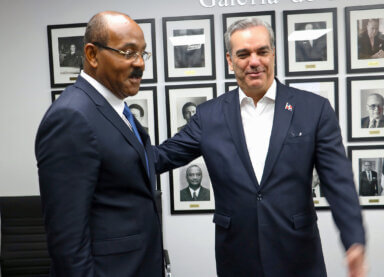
(369, 189)
(326, 87)
(230, 86)
(150, 72)
(64, 63)
(361, 57)
(310, 52)
(178, 98)
(189, 48)
(143, 106)
(55, 94)
(229, 18)
(358, 89)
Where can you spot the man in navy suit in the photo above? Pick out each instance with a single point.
(95, 162)
(260, 143)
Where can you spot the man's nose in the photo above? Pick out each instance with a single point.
(254, 59)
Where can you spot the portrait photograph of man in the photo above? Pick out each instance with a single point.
(370, 38)
(311, 50)
(192, 179)
(186, 108)
(192, 54)
(70, 53)
(368, 179)
(372, 101)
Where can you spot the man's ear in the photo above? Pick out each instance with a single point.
(91, 54)
(228, 56)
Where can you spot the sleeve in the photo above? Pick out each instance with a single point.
(335, 172)
(68, 166)
(181, 148)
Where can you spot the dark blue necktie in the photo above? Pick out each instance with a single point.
(127, 113)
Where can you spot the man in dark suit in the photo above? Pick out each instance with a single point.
(370, 42)
(260, 144)
(195, 191)
(95, 162)
(375, 118)
(368, 181)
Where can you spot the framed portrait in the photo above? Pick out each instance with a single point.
(191, 189)
(189, 48)
(65, 44)
(365, 108)
(143, 106)
(55, 94)
(326, 87)
(310, 42)
(150, 72)
(230, 86)
(229, 18)
(367, 165)
(182, 101)
(365, 38)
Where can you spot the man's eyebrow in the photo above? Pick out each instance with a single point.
(132, 45)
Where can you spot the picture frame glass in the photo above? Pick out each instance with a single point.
(189, 48)
(182, 102)
(310, 39)
(365, 30)
(361, 96)
(367, 165)
(66, 52)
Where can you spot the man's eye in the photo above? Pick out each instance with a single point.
(242, 56)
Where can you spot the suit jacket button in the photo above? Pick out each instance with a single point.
(259, 196)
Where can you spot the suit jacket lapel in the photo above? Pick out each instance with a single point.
(284, 109)
(232, 116)
(110, 114)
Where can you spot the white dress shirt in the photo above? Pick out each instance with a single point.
(116, 103)
(257, 124)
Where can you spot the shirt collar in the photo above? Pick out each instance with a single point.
(116, 103)
(271, 93)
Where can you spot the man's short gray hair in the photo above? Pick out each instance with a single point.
(243, 24)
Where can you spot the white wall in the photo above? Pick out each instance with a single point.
(25, 95)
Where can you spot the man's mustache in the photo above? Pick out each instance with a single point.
(136, 73)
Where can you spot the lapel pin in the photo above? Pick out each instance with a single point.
(288, 107)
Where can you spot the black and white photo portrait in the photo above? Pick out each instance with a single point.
(372, 101)
(193, 184)
(66, 52)
(368, 178)
(189, 48)
(365, 103)
(311, 47)
(365, 38)
(139, 110)
(186, 109)
(367, 165)
(310, 44)
(71, 54)
(190, 54)
(370, 38)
